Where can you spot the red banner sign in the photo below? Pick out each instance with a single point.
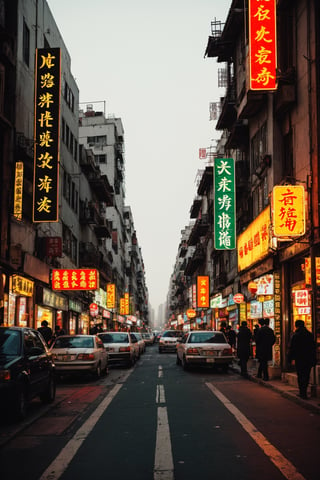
(262, 44)
(203, 292)
(83, 279)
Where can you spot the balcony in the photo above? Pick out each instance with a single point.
(103, 229)
(238, 136)
(102, 188)
(228, 113)
(199, 229)
(195, 207)
(198, 258)
(206, 181)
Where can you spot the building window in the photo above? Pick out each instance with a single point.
(26, 44)
(258, 147)
(97, 140)
(100, 159)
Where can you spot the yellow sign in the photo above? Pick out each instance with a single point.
(22, 286)
(18, 191)
(288, 210)
(307, 267)
(253, 243)
(111, 295)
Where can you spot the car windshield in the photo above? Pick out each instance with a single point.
(207, 337)
(114, 337)
(9, 342)
(146, 335)
(73, 342)
(173, 334)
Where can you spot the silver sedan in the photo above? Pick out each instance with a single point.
(204, 347)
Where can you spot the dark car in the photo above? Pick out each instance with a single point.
(26, 370)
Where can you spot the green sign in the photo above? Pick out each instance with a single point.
(224, 204)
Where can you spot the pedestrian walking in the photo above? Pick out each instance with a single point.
(244, 347)
(231, 336)
(45, 331)
(265, 339)
(302, 349)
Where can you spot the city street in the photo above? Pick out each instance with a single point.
(156, 421)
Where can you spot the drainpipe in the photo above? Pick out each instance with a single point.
(310, 194)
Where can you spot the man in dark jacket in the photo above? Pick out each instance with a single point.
(45, 331)
(243, 347)
(265, 339)
(302, 350)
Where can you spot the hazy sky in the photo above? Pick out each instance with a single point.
(145, 59)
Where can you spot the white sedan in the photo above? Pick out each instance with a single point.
(79, 354)
(204, 347)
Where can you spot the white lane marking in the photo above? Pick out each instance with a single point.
(160, 396)
(163, 463)
(287, 469)
(160, 372)
(61, 462)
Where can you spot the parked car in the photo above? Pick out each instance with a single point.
(120, 347)
(26, 370)
(204, 347)
(141, 342)
(168, 340)
(148, 338)
(79, 354)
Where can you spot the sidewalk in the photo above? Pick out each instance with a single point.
(285, 389)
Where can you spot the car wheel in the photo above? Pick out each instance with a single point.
(19, 409)
(49, 393)
(178, 361)
(184, 363)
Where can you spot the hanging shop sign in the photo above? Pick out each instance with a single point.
(52, 299)
(262, 44)
(203, 291)
(253, 243)
(18, 191)
(224, 204)
(53, 246)
(215, 301)
(301, 298)
(253, 287)
(111, 295)
(122, 306)
(265, 284)
(22, 286)
(126, 303)
(46, 135)
(238, 298)
(288, 211)
(191, 313)
(93, 309)
(75, 279)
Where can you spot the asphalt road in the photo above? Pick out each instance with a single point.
(158, 422)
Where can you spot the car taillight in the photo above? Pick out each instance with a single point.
(192, 351)
(227, 351)
(5, 375)
(124, 349)
(85, 356)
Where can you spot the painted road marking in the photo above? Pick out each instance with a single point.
(61, 462)
(160, 372)
(160, 396)
(163, 463)
(287, 469)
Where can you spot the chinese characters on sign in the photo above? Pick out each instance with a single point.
(224, 204)
(53, 246)
(301, 298)
(18, 191)
(253, 243)
(46, 132)
(126, 304)
(83, 279)
(111, 295)
(262, 44)
(288, 210)
(203, 292)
